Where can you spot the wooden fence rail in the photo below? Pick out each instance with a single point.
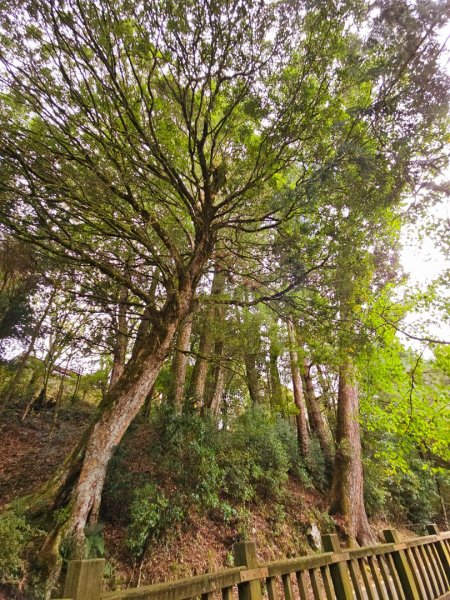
(415, 569)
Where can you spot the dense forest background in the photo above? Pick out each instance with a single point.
(203, 317)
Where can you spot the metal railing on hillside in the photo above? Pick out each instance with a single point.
(415, 569)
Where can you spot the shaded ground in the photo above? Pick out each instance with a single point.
(31, 450)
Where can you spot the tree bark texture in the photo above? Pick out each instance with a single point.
(347, 486)
(179, 363)
(302, 425)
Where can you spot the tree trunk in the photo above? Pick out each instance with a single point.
(218, 379)
(252, 377)
(59, 395)
(347, 487)
(179, 363)
(302, 425)
(316, 419)
(34, 336)
(75, 392)
(79, 482)
(276, 389)
(121, 339)
(200, 372)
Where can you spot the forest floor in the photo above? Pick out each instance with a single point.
(32, 449)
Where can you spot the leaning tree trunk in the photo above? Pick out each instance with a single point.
(179, 363)
(78, 484)
(302, 425)
(347, 487)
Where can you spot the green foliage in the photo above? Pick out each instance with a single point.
(197, 464)
(407, 495)
(375, 492)
(414, 494)
(187, 450)
(15, 533)
(316, 466)
(94, 542)
(256, 456)
(152, 513)
(404, 401)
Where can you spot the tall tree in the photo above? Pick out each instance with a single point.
(163, 128)
(168, 131)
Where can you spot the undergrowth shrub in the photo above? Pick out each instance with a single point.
(15, 533)
(376, 493)
(402, 496)
(196, 463)
(316, 466)
(186, 451)
(255, 457)
(413, 494)
(151, 513)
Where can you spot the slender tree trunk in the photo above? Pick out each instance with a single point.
(317, 422)
(200, 372)
(121, 339)
(75, 392)
(276, 389)
(34, 336)
(302, 425)
(218, 379)
(179, 363)
(327, 395)
(60, 393)
(41, 400)
(347, 487)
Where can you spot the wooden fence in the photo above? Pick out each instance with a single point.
(415, 569)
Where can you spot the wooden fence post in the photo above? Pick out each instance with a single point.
(441, 549)
(84, 579)
(245, 554)
(402, 567)
(339, 571)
